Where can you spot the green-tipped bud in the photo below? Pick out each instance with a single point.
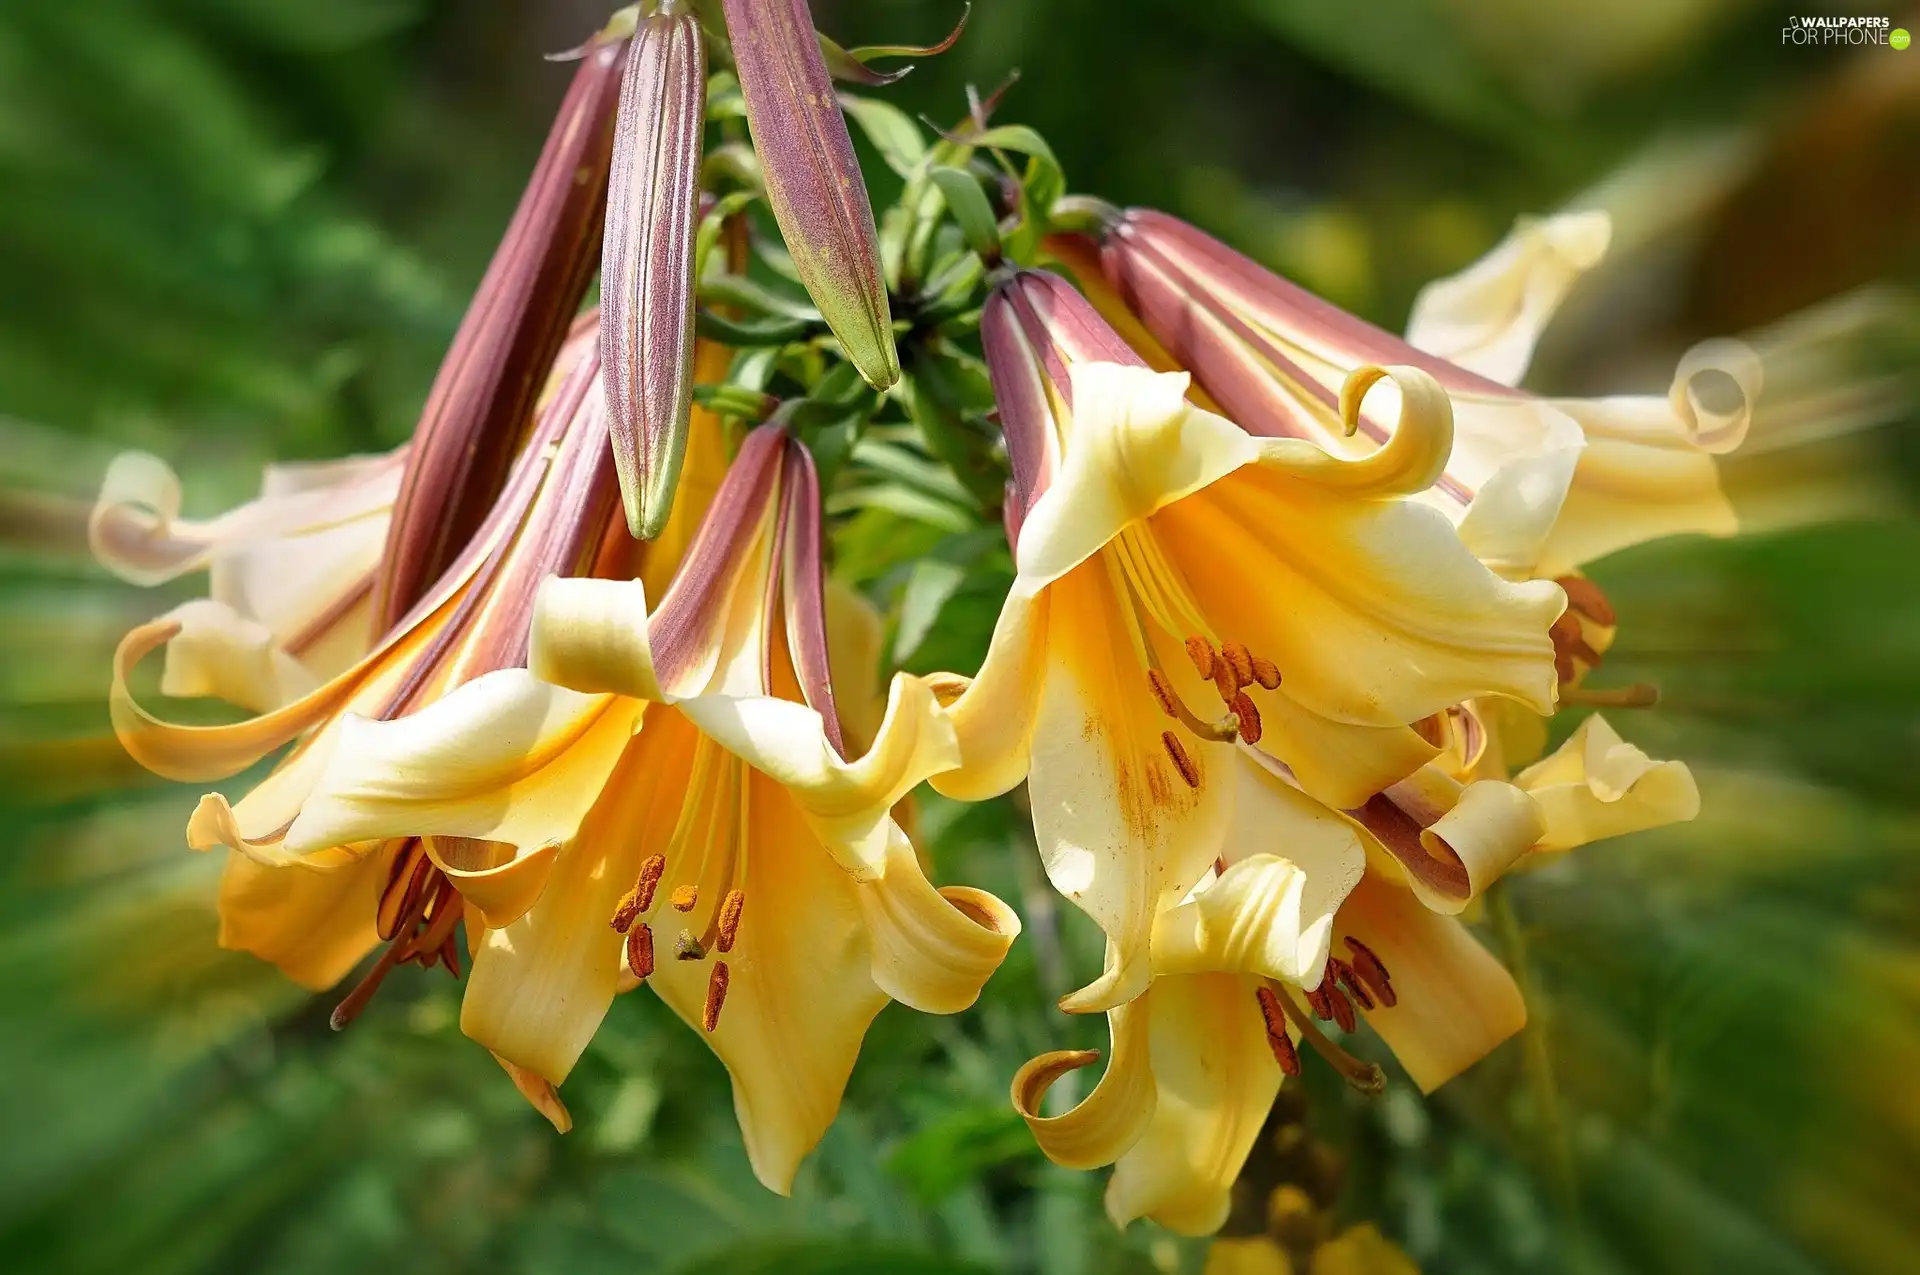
(646, 280)
(813, 181)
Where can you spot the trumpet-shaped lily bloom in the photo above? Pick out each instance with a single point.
(1183, 584)
(1536, 486)
(294, 568)
(317, 911)
(1198, 1056)
(1434, 845)
(709, 838)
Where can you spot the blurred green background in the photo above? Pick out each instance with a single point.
(233, 230)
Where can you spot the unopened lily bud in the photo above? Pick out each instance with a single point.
(813, 180)
(646, 326)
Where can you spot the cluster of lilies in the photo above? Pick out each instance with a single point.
(1294, 598)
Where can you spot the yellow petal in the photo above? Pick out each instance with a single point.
(1455, 1003)
(591, 636)
(541, 985)
(1102, 1126)
(801, 993)
(1639, 479)
(856, 636)
(221, 654)
(1134, 446)
(1470, 836)
(847, 803)
(1414, 454)
(1372, 610)
(993, 718)
(1338, 764)
(932, 949)
(1272, 911)
(251, 829)
(540, 1094)
(505, 757)
(1120, 832)
(316, 926)
(1216, 1079)
(1597, 785)
(1518, 456)
(1488, 317)
(498, 882)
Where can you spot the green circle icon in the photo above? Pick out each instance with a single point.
(1899, 38)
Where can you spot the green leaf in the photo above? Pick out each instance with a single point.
(905, 502)
(971, 212)
(892, 131)
(930, 584)
(961, 1145)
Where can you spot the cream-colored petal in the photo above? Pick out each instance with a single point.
(1454, 1002)
(1134, 446)
(1372, 610)
(1216, 1079)
(1120, 832)
(1271, 913)
(541, 985)
(1409, 461)
(591, 636)
(1469, 836)
(1101, 1127)
(846, 802)
(495, 879)
(220, 654)
(1517, 456)
(800, 994)
(293, 585)
(316, 926)
(506, 758)
(1596, 785)
(1338, 764)
(137, 533)
(933, 950)
(856, 637)
(1639, 479)
(1488, 317)
(1707, 421)
(993, 718)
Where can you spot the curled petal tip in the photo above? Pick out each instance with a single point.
(813, 180)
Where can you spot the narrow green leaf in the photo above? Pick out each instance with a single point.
(892, 131)
(971, 212)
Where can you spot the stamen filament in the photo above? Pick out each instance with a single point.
(1362, 1075)
(1277, 1039)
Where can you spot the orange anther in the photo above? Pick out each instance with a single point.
(716, 995)
(1247, 715)
(1240, 660)
(1277, 1039)
(1181, 761)
(1201, 652)
(684, 897)
(730, 918)
(650, 872)
(1267, 673)
(1374, 971)
(640, 951)
(1163, 693)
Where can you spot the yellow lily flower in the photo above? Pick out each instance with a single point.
(1197, 1058)
(294, 568)
(315, 913)
(1536, 486)
(685, 771)
(1167, 560)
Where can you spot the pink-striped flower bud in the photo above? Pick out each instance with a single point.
(813, 180)
(646, 280)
